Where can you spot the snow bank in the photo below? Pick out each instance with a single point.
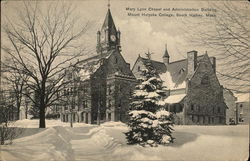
(107, 142)
(26, 123)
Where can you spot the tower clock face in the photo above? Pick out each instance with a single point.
(113, 38)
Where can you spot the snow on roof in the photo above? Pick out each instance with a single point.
(91, 65)
(242, 97)
(174, 98)
(169, 83)
(86, 71)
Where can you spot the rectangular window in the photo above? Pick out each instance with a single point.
(109, 89)
(109, 103)
(73, 104)
(192, 107)
(198, 108)
(84, 104)
(109, 116)
(119, 88)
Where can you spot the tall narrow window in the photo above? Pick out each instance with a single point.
(109, 89)
(192, 107)
(84, 104)
(198, 108)
(65, 107)
(109, 103)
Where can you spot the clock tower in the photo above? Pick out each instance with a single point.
(108, 37)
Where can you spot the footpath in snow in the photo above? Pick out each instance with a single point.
(59, 142)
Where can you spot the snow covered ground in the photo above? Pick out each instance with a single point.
(59, 142)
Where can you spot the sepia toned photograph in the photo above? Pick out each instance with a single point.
(142, 80)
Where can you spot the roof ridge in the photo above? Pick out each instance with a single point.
(186, 59)
(153, 60)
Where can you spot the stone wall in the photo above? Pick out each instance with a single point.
(243, 112)
(230, 101)
(204, 103)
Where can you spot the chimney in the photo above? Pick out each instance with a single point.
(119, 40)
(98, 37)
(213, 61)
(191, 62)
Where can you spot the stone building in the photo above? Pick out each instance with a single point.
(231, 112)
(101, 84)
(194, 92)
(243, 108)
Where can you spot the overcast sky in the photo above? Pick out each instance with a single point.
(138, 34)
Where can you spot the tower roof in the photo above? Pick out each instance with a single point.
(166, 55)
(108, 22)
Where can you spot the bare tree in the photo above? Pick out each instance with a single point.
(228, 35)
(43, 41)
(7, 130)
(16, 81)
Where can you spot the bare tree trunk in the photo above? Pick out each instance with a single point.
(18, 111)
(26, 113)
(42, 118)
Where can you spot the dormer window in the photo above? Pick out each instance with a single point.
(182, 70)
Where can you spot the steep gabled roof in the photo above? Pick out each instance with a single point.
(176, 75)
(109, 22)
(159, 66)
(89, 66)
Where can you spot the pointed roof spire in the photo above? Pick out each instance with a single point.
(108, 22)
(166, 55)
(108, 4)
